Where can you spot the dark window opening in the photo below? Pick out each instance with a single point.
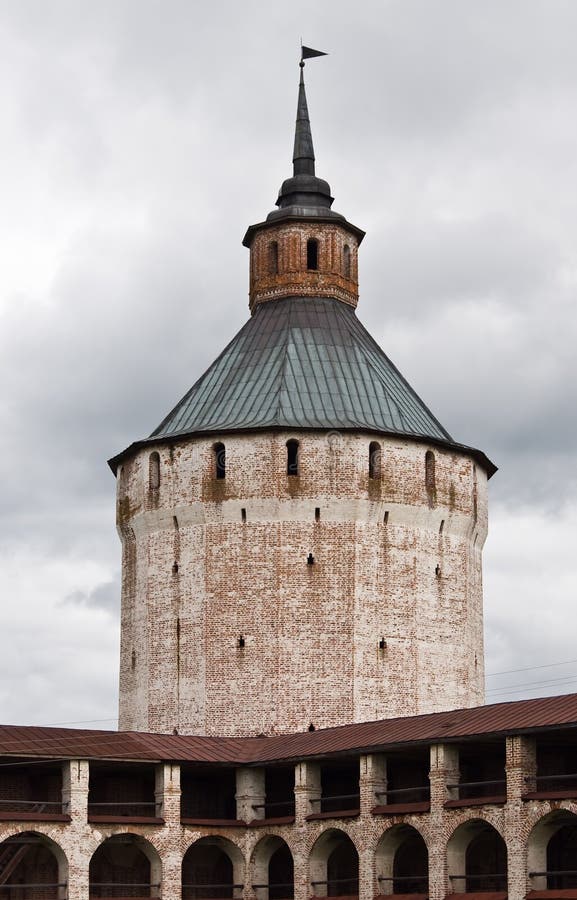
(292, 457)
(30, 868)
(28, 788)
(343, 870)
(407, 779)
(125, 792)
(208, 794)
(312, 254)
(486, 863)
(339, 788)
(273, 258)
(347, 261)
(411, 866)
(279, 792)
(154, 471)
(374, 459)
(207, 872)
(430, 483)
(562, 857)
(281, 875)
(482, 771)
(317, 513)
(219, 451)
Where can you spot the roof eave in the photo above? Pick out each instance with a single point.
(333, 220)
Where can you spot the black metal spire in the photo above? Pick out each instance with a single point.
(304, 154)
(304, 194)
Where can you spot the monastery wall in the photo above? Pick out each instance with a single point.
(525, 825)
(228, 625)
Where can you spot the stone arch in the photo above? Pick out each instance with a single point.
(125, 859)
(476, 858)
(552, 847)
(272, 869)
(402, 862)
(34, 858)
(212, 869)
(334, 865)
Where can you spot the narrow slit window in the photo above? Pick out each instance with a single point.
(292, 457)
(430, 483)
(219, 451)
(317, 513)
(374, 459)
(273, 258)
(154, 471)
(312, 254)
(347, 261)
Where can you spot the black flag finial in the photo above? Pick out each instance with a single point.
(309, 53)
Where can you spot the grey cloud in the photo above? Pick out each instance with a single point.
(144, 140)
(105, 596)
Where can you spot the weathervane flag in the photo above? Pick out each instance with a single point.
(308, 52)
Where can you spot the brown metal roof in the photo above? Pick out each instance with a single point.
(497, 719)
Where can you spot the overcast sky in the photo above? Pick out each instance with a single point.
(140, 138)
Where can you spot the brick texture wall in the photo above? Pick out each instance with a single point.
(394, 561)
(290, 277)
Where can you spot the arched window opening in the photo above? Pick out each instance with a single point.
(208, 871)
(347, 261)
(292, 457)
(281, 875)
(219, 452)
(430, 482)
(273, 258)
(120, 868)
(374, 460)
(486, 862)
(411, 866)
(154, 471)
(312, 254)
(562, 858)
(343, 870)
(32, 868)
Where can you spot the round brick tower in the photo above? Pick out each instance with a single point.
(301, 537)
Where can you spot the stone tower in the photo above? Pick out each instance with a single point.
(301, 537)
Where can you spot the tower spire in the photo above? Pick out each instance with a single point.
(304, 154)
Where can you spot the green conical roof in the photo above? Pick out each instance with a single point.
(302, 363)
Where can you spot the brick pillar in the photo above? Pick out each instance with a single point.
(78, 879)
(521, 766)
(444, 770)
(75, 774)
(250, 792)
(366, 874)
(372, 782)
(307, 788)
(167, 793)
(171, 875)
(521, 769)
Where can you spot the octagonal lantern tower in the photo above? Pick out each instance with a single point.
(301, 537)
